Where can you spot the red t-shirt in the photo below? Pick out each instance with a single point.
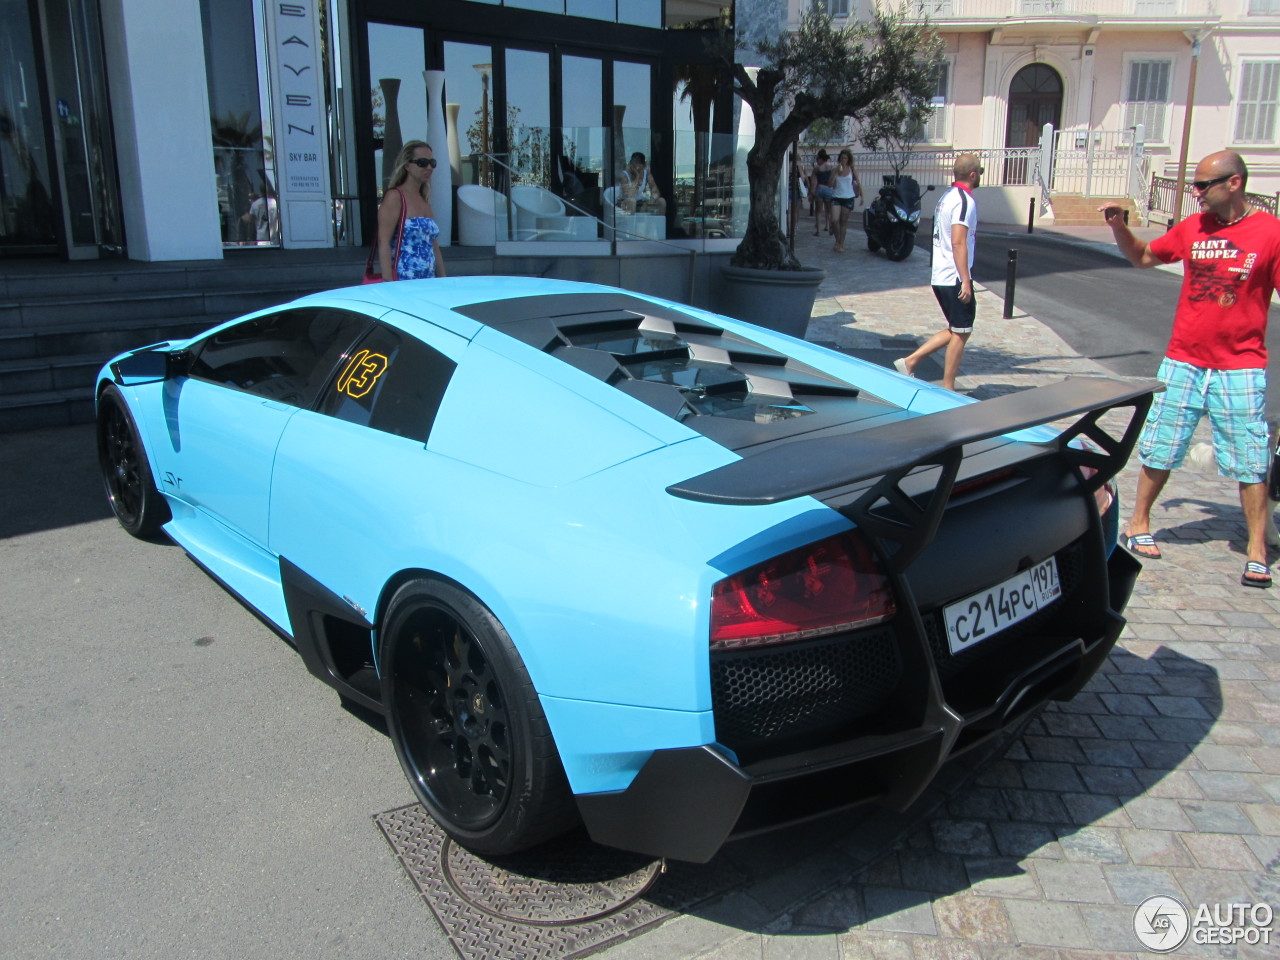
(1229, 276)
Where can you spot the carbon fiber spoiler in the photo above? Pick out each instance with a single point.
(814, 466)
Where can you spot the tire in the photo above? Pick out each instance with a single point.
(900, 245)
(872, 245)
(466, 723)
(126, 473)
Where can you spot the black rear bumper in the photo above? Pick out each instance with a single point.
(685, 803)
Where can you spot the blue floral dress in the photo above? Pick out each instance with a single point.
(417, 254)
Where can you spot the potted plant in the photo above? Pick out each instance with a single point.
(817, 72)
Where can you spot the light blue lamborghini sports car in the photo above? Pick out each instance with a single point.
(608, 559)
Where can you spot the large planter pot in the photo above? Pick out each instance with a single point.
(781, 300)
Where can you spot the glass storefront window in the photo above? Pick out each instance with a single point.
(397, 57)
(26, 200)
(243, 162)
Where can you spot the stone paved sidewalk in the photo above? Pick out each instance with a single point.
(1162, 777)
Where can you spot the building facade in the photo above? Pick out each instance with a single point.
(1197, 75)
(183, 129)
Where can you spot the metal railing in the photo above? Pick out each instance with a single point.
(1005, 166)
(1164, 191)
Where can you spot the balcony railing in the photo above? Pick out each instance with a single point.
(942, 10)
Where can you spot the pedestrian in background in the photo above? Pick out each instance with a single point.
(410, 193)
(820, 188)
(955, 229)
(1216, 360)
(844, 193)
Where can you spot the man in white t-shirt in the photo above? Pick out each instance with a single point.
(955, 228)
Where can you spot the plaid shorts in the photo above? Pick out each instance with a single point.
(1235, 401)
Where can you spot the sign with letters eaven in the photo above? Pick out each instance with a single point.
(301, 138)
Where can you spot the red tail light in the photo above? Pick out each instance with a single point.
(819, 589)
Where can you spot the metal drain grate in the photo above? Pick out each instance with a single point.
(564, 900)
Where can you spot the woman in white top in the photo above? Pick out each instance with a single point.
(845, 192)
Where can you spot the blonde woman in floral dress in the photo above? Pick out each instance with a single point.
(411, 189)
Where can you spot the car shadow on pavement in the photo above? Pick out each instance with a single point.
(1067, 815)
(1032, 816)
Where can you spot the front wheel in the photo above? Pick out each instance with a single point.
(900, 245)
(872, 244)
(126, 472)
(466, 722)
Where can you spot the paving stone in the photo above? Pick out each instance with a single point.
(973, 918)
(1156, 848)
(932, 949)
(1236, 734)
(860, 946)
(1157, 813)
(1037, 806)
(1167, 756)
(1048, 924)
(1135, 684)
(1176, 784)
(1220, 852)
(936, 872)
(1212, 886)
(899, 910)
(1110, 928)
(1267, 851)
(1215, 756)
(1069, 725)
(1110, 780)
(1051, 776)
(1095, 808)
(1132, 884)
(1110, 753)
(964, 837)
(1124, 728)
(1025, 840)
(838, 909)
(1179, 728)
(1093, 845)
(1228, 786)
(1072, 882)
(1000, 877)
(1210, 816)
(1060, 749)
(1129, 704)
(979, 802)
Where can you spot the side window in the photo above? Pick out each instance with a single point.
(284, 356)
(391, 382)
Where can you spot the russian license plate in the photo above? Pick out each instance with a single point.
(986, 613)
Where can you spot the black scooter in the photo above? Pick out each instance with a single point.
(892, 218)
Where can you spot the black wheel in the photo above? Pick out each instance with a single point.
(466, 722)
(900, 245)
(871, 244)
(126, 473)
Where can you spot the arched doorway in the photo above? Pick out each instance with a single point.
(1035, 98)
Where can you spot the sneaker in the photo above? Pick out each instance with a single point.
(901, 366)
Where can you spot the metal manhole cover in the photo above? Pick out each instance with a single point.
(564, 900)
(571, 881)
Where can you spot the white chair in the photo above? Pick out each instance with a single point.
(482, 216)
(531, 203)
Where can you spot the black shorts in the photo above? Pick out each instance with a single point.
(958, 313)
(846, 202)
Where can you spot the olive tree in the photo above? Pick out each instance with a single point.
(820, 72)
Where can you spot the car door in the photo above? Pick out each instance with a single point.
(349, 475)
(225, 418)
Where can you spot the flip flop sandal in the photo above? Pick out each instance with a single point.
(1262, 576)
(1143, 540)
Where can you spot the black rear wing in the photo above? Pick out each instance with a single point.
(889, 452)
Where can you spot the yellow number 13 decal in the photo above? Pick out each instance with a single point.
(361, 373)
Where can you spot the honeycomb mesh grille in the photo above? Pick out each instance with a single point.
(801, 689)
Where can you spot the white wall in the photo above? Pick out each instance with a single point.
(160, 113)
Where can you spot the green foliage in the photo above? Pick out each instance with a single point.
(821, 72)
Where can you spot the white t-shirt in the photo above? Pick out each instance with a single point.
(956, 206)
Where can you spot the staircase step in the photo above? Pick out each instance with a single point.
(47, 408)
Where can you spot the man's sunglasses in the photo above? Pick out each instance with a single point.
(423, 162)
(1203, 185)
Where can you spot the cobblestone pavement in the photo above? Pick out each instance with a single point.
(1162, 777)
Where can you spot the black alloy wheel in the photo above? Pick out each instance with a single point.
(466, 722)
(126, 472)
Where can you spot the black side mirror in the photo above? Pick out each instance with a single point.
(149, 365)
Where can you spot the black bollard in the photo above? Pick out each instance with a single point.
(1031, 213)
(1010, 282)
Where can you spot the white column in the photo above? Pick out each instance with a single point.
(438, 137)
(160, 113)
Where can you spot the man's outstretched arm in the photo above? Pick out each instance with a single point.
(1135, 250)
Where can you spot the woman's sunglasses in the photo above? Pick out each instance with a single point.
(423, 162)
